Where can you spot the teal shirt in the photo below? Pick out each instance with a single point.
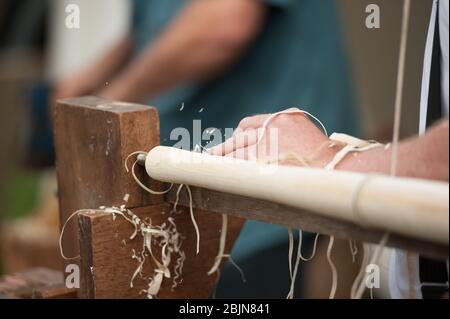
(298, 60)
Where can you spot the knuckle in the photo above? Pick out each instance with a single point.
(245, 121)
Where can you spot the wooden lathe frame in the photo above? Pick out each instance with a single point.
(93, 137)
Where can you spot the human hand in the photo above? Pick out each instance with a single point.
(288, 137)
(79, 84)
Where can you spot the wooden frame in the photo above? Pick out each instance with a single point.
(93, 138)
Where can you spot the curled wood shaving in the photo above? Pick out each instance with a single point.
(289, 111)
(360, 275)
(191, 211)
(313, 253)
(194, 222)
(353, 249)
(359, 286)
(223, 238)
(294, 271)
(334, 273)
(221, 253)
(133, 173)
(166, 237)
(241, 272)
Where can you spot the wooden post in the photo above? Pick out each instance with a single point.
(93, 137)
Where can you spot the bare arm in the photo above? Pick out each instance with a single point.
(206, 38)
(95, 76)
(419, 157)
(422, 157)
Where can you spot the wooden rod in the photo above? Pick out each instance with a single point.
(410, 207)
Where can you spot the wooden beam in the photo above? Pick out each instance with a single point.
(106, 251)
(273, 213)
(93, 137)
(58, 291)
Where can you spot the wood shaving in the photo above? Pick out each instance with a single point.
(166, 237)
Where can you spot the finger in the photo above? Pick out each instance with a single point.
(259, 120)
(239, 140)
(253, 153)
(245, 153)
(253, 122)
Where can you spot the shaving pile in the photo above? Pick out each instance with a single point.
(293, 271)
(155, 283)
(165, 239)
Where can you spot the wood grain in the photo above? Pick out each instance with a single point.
(58, 291)
(283, 215)
(93, 137)
(107, 266)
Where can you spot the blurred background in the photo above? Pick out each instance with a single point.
(36, 52)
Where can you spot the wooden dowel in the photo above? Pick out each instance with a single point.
(410, 207)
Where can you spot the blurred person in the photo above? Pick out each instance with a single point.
(217, 61)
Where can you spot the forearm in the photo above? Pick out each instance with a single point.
(95, 77)
(108, 65)
(203, 41)
(421, 157)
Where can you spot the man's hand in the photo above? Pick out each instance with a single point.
(294, 134)
(79, 84)
(424, 157)
(95, 76)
